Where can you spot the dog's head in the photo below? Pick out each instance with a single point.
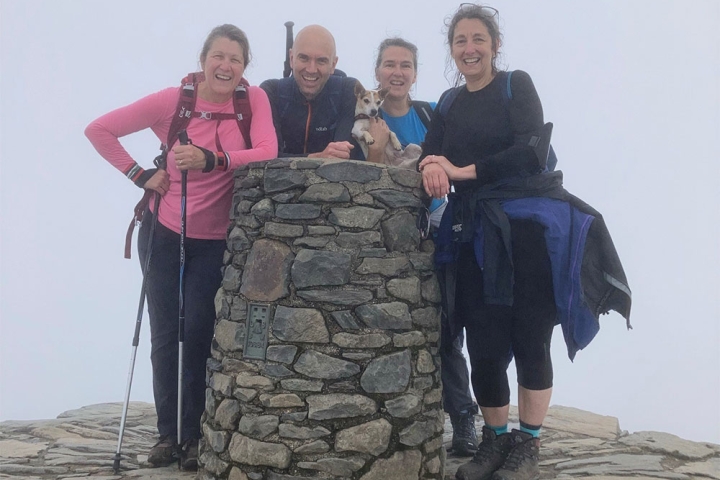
(368, 101)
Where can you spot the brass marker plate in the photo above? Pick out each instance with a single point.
(256, 333)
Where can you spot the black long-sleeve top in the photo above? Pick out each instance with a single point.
(480, 128)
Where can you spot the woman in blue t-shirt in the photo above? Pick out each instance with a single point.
(396, 70)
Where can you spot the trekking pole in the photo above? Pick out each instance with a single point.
(288, 45)
(138, 324)
(182, 136)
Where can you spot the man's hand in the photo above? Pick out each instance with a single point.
(160, 182)
(380, 132)
(334, 150)
(435, 180)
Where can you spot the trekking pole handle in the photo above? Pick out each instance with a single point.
(183, 137)
(288, 45)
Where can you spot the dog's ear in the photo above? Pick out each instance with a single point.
(383, 92)
(359, 89)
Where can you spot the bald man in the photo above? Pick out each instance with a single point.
(314, 110)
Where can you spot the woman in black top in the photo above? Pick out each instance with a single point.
(473, 143)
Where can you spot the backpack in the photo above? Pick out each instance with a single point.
(447, 100)
(184, 111)
(424, 112)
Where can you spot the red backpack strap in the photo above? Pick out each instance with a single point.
(243, 111)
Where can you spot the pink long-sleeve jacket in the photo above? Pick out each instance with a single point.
(209, 195)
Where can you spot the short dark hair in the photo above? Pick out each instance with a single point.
(230, 32)
(487, 15)
(397, 42)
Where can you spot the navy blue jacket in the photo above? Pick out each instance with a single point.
(305, 127)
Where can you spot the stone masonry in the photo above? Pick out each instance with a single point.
(350, 383)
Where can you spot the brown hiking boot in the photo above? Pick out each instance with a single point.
(522, 463)
(490, 455)
(163, 452)
(190, 455)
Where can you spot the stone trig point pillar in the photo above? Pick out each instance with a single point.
(325, 358)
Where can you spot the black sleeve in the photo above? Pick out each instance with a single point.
(432, 144)
(270, 87)
(346, 119)
(526, 116)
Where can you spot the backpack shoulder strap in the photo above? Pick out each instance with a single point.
(447, 100)
(183, 111)
(424, 111)
(241, 102)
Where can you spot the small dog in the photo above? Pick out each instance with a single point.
(367, 107)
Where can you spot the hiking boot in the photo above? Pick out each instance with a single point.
(190, 454)
(163, 452)
(490, 455)
(522, 463)
(464, 439)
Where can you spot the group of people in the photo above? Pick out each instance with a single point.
(469, 146)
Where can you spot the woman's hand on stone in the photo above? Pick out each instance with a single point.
(435, 180)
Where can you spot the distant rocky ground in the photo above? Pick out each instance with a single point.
(575, 444)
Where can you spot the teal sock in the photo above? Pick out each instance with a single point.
(533, 430)
(498, 430)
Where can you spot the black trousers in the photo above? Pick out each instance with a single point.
(203, 260)
(454, 373)
(497, 332)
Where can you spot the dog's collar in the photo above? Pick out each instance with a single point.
(362, 116)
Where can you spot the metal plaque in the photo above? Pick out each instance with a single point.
(256, 334)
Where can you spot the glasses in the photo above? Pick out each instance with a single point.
(471, 6)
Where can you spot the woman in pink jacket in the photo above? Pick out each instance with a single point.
(217, 148)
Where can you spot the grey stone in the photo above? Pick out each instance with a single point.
(405, 288)
(227, 414)
(346, 386)
(668, 444)
(277, 371)
(404, 465)
(387, 374)
(259, 382)
(231, 279)
(404, 406)
(238, 310)
(708, 468)
(258, 427)
(210, 402)
(318, 446)
(237, 240)
(573, 420)
(253, 452)
(301, 385)
(339, 405)
(355, 217)
(339, 467)
(233, 365)
(320, 230)
(349, 171)
(405, 177)
(230, 336)
(281, 400)
(245, 394)
(396, 199)
(267, 274)
(370, 340)
(308, 163)
(276, 476)
(297, 211)
(251, 193)
(299, 325)
(389, 267)
(359, 239)
(237, 474)
(283, 179)
(410, 339)
(320, 268)
(213, 464)
(293, 417)
(421, 262)
(434, 465)
(619, 464)
(312, 242)
(302, 433)
(283, 197)
(417, 433)
(358, 355)
(372, 252)
(336, 297)
(281, 353)
(221, 383)
(326, 193)
(346, 320)
(431, 290)
(428, 317)
(400, 233)
(425, 362)
(433, 396)
(273, 229)
(387, 316)
(263, 209)
(371, 437)
(318, 365)
(279, 163)
(248, 221)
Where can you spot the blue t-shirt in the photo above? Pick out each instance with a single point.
(408, 128)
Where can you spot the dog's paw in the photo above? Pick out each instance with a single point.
(395, 142)
(368, 138)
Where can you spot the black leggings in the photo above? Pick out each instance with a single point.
(203, 260)
(496, 332)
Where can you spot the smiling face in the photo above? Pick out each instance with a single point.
(313, 60)
(223, 66)
(396, 72)
(473, 52)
